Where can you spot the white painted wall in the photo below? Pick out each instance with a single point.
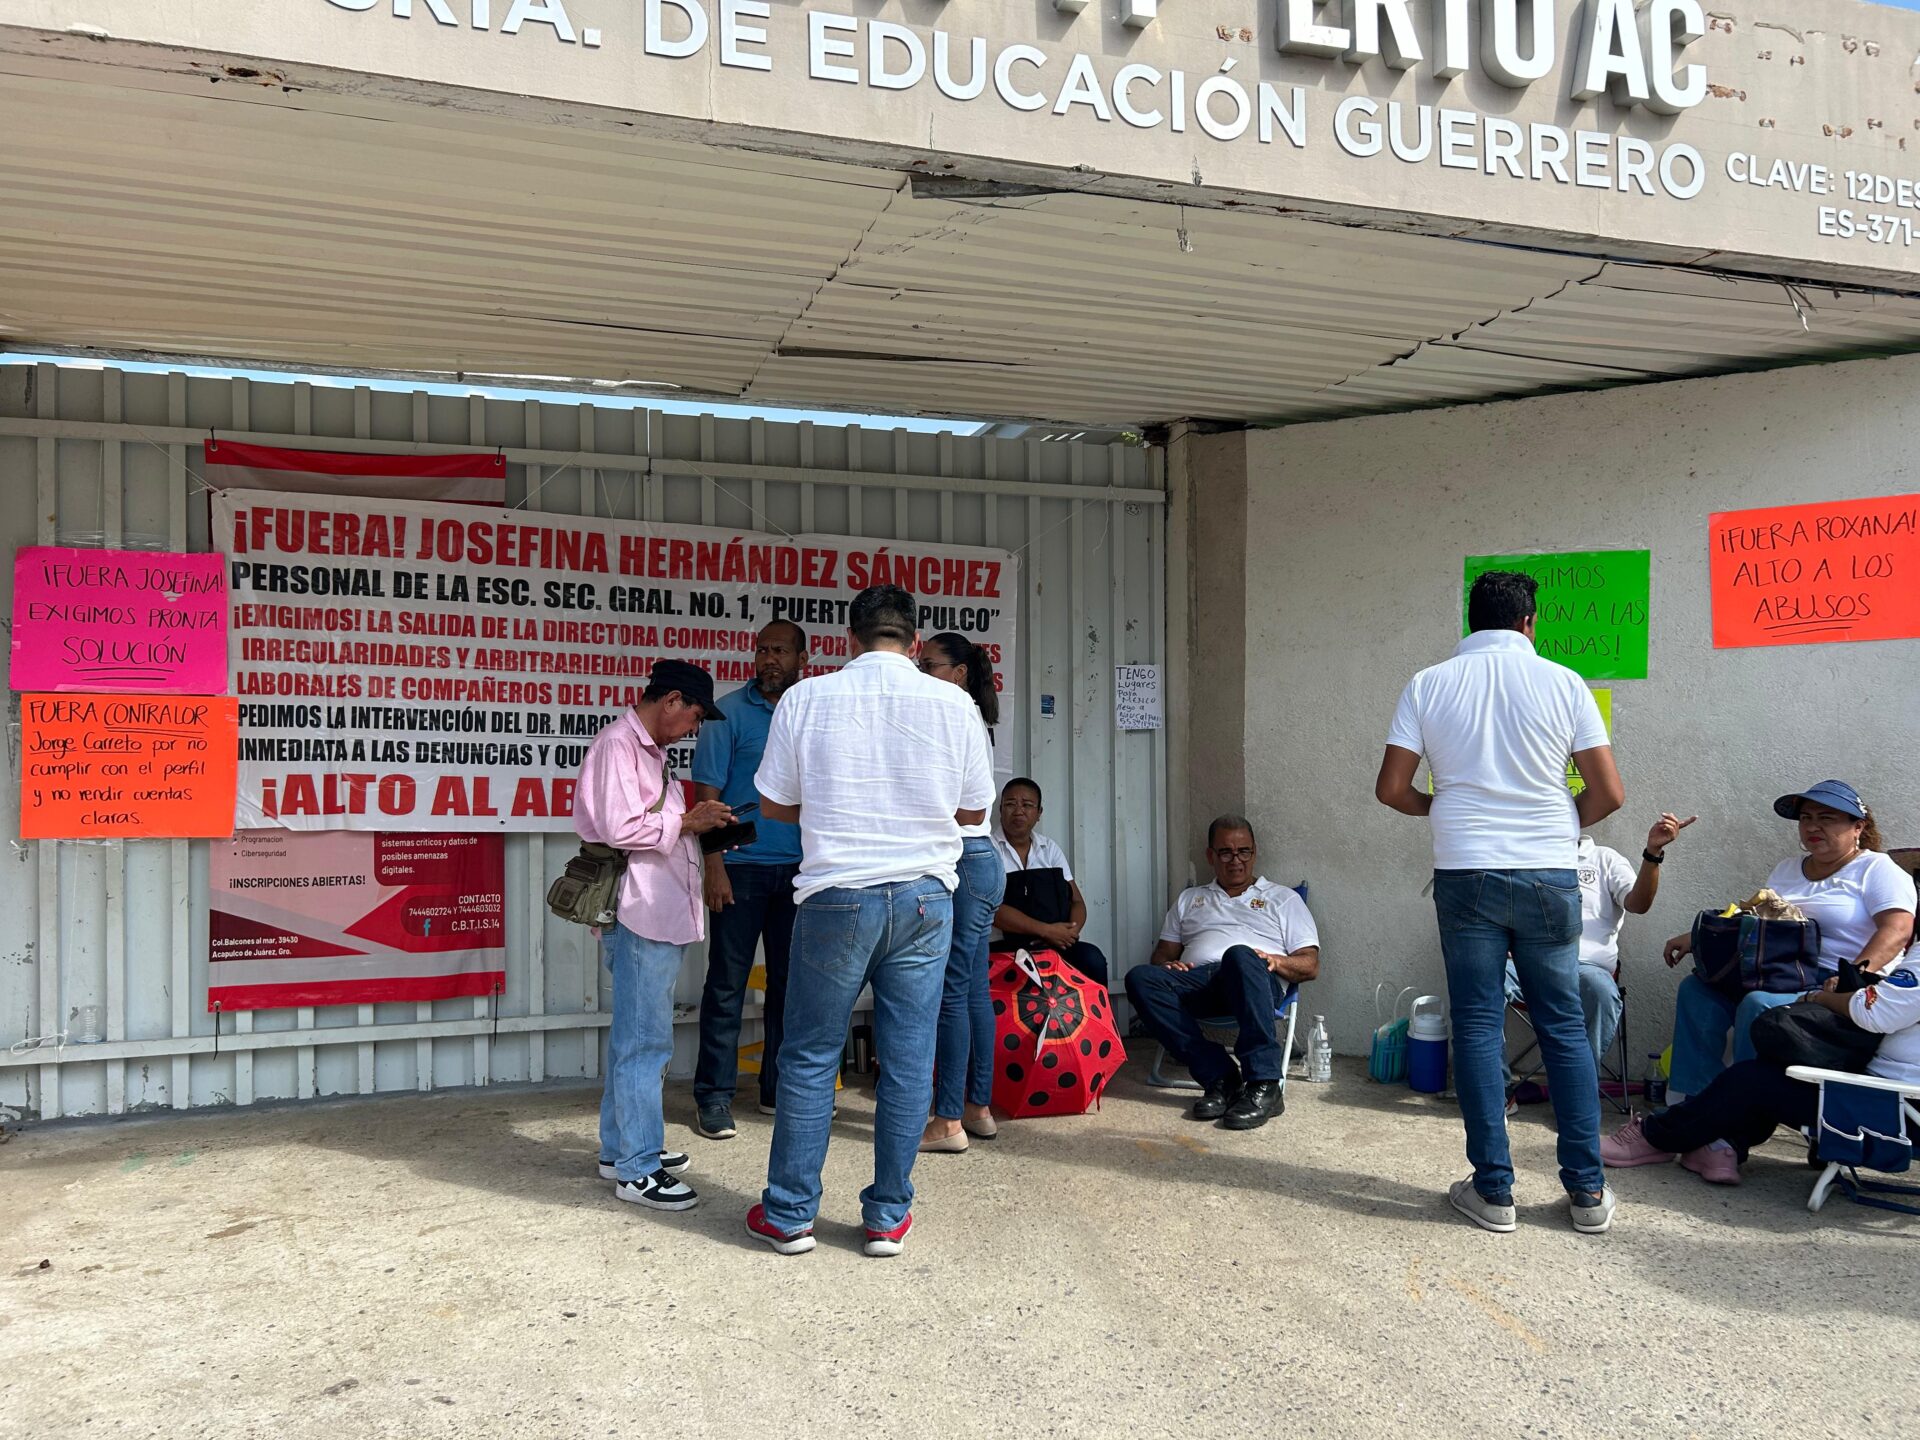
(1355, 532)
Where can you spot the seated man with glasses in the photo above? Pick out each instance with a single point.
(1229, 948)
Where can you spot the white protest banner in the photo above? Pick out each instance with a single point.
(405, 665)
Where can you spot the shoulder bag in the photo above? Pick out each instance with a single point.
(1737, 954)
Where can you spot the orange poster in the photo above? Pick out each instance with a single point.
(1815, 574)
(134, 767)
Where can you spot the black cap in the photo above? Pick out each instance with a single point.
(692, 681)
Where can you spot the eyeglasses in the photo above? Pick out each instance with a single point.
(1244, 852)
(927, 667)
(1019, 804)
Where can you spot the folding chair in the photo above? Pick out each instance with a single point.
(1863, 1124)
(1618, 1072)
(1286, 1015)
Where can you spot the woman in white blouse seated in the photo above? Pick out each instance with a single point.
(1043, 908)
(1863, 901)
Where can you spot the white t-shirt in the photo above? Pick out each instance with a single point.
(1209, 922)
(878, 757)
(1846, 902)
(1892, 1009)
(1497, 723)
(1042, 854)
(1606, 879)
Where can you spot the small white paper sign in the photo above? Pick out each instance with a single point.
(1137, 703)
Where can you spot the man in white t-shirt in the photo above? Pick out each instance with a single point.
(1610, 890)
(1497, 724)
(1229, 948)
(879, 766)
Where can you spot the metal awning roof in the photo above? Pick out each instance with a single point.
(147, 213)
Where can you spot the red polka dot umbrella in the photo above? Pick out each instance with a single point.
(1055, 1047)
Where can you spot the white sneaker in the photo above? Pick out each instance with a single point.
(1592, 1219)
(658, 1191)
(1482, 1212)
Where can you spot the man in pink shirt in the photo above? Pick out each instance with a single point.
(625, 800)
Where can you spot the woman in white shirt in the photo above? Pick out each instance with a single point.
(1863, 901)
(963, 1046)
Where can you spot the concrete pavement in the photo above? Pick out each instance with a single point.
(448, 1265)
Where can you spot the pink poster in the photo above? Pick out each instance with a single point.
(354, 917)
(119, 622)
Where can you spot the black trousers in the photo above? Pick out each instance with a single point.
(1741, 1106)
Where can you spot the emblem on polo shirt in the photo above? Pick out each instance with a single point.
(1257, 903)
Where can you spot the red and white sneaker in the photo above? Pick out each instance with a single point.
(797, 1243)
(883, 1243)
(1628, 1147)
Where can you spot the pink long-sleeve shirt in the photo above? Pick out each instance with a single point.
(621, 781)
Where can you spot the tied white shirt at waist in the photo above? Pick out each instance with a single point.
(879, 758)
(1265, 916)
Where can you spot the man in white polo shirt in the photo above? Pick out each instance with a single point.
(879, 766)
(1229, 948)
(1497, 724)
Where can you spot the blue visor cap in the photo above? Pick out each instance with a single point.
(1834, 794)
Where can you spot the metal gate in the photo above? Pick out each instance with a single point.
(107, 457)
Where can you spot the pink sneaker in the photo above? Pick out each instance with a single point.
(1716, 1163)
(1627, 1147)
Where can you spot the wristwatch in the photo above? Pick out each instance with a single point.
(1653, 859)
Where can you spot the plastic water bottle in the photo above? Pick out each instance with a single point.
(1319, 1052)
(1654, 1087)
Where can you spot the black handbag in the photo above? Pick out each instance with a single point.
(1737, 954)
(1808, 1033)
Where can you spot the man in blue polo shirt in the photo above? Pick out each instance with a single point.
(749, 890)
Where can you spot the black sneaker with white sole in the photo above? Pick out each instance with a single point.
(658, 1191)
(674, 1162)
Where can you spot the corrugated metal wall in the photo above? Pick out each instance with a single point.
(91, 457)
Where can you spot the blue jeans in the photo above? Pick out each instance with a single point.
(1702, 1016)
(964, 1053)
(895, 938)
(1534, 915)
(639, 1045)
(761, 913)
(1238, 984)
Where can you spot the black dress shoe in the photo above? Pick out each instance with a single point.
(1219, 1098)
(1258, 1103)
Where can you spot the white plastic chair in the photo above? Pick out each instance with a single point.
(1860, 1147)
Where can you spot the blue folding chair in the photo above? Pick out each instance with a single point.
(1863, 1124)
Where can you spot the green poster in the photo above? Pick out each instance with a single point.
(1592, 607)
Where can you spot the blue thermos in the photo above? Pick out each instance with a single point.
(1427, 1046)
